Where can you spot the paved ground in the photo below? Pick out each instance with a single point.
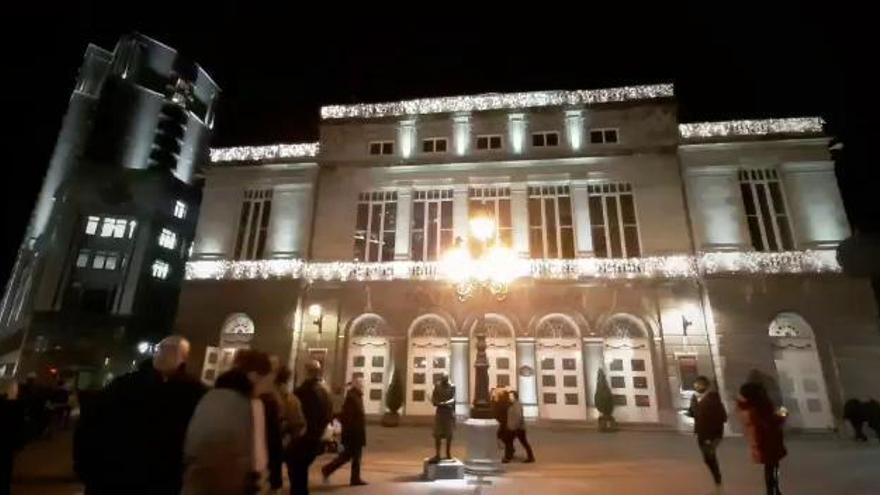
(570, 461)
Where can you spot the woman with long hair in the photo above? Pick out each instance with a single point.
(763, 428)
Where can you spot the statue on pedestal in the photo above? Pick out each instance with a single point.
(443, 398)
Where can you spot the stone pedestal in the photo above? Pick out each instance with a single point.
(483, 456)
(445, 469)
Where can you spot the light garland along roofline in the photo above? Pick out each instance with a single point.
(264, 153)
(658, 267)
(497, 101)
(741, 128)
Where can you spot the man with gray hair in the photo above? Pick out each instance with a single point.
(130, 439)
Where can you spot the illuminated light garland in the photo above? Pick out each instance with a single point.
(259, 153)
(733, 128)
(496, 101)
(681, 266)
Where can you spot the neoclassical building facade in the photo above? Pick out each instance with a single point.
(653, 250)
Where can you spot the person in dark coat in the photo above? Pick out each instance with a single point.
(12, 431)
(854, 412)
(516, 426)
(443, 398)
(129, 438)
(763, 428)
(709, 417)
(354, 434)
(318, 411)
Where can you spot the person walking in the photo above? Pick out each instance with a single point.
(292, 421)
(317, 410)
(12, 431)
(516, 427)
(763, 428)
(129, 438)
(354, 434)
(709, 418)
(225, 451)
(500, 403)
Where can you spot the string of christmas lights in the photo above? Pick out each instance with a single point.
(732, 128)
(681, 266)
(259, 153)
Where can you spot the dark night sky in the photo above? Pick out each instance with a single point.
(277, 66)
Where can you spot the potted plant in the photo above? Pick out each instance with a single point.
(394, 401)
(604, 403)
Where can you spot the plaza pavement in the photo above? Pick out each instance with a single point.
(571, 460)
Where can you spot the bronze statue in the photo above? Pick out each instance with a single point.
(443, 398)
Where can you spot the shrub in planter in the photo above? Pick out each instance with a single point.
(604, 403)
(393, 400)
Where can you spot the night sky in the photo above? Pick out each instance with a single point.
(277, 66)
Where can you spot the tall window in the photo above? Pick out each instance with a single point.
(765, 210)
(432, 224)
(382, 147)
(179, 209)
(167, 239)
(376, 225)
(613, 221)
(494, 201)
(253, 224)
(550, 227)
(160, 269)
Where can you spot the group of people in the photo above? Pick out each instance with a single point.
(762, 425)
(511, 423)
(159, 431)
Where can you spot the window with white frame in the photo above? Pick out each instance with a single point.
(603, 136)
(253, 224)
(82, 258)
(167, 239)
(547, 139)
(489, 142)
(108, 226)
(103, 260)
(764, 203)
(613, 221)
(434, 145)
(119, 226)
(92, 225)
(160, 269)
(179, 209)
(382, 147)
(495, 201)
(431, 224)
(550, 223)
(375, 226)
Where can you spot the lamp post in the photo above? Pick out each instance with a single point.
(481, 268)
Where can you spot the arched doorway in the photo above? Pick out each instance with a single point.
(561, 391)
(369, 356)
(429, 357)
(236, 333)
(799, 370)
(629, 368)
(500, 352)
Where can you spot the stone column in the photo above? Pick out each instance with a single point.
(519, 217)
(580, 205)
(593, 356)
(406, 138)
(404, 224)
(815, 207)
(461, 133)
(516, 132)
(290, 221)
(528, 383)
(716, 208)
(459, 374)
(574, 128)
(460, 211)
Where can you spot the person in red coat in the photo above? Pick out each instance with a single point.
(763, 428)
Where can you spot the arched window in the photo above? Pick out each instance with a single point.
(557, 326)
(790, 325)
(625, 326)
(369, 325)
(430, 325)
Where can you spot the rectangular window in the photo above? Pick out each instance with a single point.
(431, 224)
(119, 227)
(766, 215)
(82, 259)
(603, 136)
(550, 222)
(111, 261)
(382, 147)
(167, 239)
(179, 209)
(98, 260)
(160, 269)
(253, 224)
(108, 226)
(548, 139)
(375, 226)
(92, 225)
(494, 201)
(434, 145)
(489, 142)
(613, 221)
(687, 371)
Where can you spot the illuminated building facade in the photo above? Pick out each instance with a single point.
(651, 249)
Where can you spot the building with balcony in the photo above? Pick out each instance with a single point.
(650, 249)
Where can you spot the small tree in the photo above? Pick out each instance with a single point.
(604, 403)
(393, 400)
